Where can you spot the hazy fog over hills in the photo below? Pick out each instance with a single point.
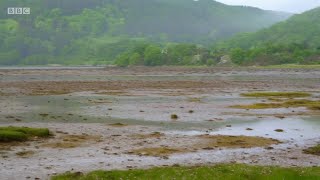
(294, 6)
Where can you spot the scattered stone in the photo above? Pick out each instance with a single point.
(174, 116)
(280, 117)
(269, 148)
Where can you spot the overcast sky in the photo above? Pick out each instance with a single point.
(296, 6)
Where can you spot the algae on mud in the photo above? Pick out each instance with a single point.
(310, 104)
(225, 141)
(315, 150)
(151, 135)
(157, 151)
(25, 154)
(71, 141)
(277, 94)
(207, 142)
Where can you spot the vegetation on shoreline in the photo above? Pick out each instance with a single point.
(292, 66)
(223, 171)
(312, 105)
(10, 134)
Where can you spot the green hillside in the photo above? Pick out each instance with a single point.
(296, 40)
(97, 31)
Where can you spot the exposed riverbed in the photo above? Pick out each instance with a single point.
(116, 112)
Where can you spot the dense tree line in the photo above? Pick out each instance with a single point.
(170, 54)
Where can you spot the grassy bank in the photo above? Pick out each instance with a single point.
(225, 172)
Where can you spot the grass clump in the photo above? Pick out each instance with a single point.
(277, 94)
(313, 150)
(9, 134)
(223, 171)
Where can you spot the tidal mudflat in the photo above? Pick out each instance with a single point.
(129, 118)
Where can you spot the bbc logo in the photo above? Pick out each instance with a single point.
(19, 10)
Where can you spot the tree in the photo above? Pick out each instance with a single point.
(238, 55)
(135, 59)
(123, 60)
(153, 56)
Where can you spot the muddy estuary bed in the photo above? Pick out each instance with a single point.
(140, 118)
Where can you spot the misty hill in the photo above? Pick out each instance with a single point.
(296, 40)
(96, 31)
(187, 20)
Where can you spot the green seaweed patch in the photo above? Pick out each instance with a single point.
(312, 105)
(9, 134)
(313, 150)
(277, 94)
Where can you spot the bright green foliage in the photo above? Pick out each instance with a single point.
(123, 60)
(135, 59)
(152, 56)
(8, 134)
(219, 172)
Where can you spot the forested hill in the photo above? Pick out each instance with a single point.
(296, 40)
(96, 31)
